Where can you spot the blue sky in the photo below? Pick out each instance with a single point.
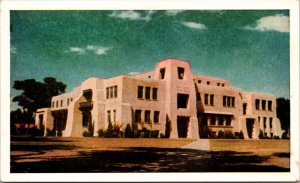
(249, 48)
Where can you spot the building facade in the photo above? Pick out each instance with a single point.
(169, 99)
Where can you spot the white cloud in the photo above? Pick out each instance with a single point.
(194, 25)
(277, 22)
(13, 49)
(173, 12)
(133, 73)
(97, 50)
(132, 15)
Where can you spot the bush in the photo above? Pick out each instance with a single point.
(128, 131)
(276, 137)
(241, 135)
(285, 135)
(111, 132)
(87, 134)
(161, 135)
(229, 135)
(221, 135)
(51, 132)
(261, 134)
(145, 133)
(154, 134)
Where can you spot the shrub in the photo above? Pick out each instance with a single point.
(221, 135)
(101, 133)
(128, 131)
(229, 135)
(275, 137)
(241, 136)
(285, 135)
(145, 133)
(161, 135)
(111, 132)
(154, 134)
(51, 132)
(87, 134)
(261, 134)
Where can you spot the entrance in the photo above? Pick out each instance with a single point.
(250, 126)
(182, 126)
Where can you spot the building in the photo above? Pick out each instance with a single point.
(169, 98)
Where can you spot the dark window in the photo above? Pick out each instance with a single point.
(182, 100)
(259, 121)
(154, 93)
(244, 108)
(218, 84)
(232, 102)
(149, 76)
(206, 99)
(228, 101)
(56, 103)
(71, 99)
(180, 72)
(138, 116)
(86, 117)
(162, 73)
(156, 116)
(53, 103)
(114, 115)
(221, 121)
(198, 96)
(228, 121)
(107, 93)
(271, 123)
(68, 101)
(111, 92)
(88, 94)
(265, 122)
(212, 120)
(115, 91)
(147, 94)
(147, 116)
(270, 105)
(140, 91)
(212, 99)
(224, 101)
(199, 81)
(108, 117)
(263, 105)
(223, 84)
(61, 103)
(257, 101)
(208, 82)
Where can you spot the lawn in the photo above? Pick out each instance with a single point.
(54, 155)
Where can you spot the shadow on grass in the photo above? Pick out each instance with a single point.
(140, 159)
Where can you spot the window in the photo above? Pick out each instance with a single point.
(53, 103)
(228, 121)
(265, 122)
(56, 104)
(212, 120)
(263, 105)
(108, 117)
(244, 108)
(154, 93)
(271, 123)
(162, 73)
(257, 101)
(221, 121)
(68, 101)
(259, 121)
(147, 116)
(71, 99)
(218, 84)
(270, 105)
(115, 114)
(149, 76)
(86, 116)
(147, 93)
(111, 92)
(208, 82)
(223, 84)
(224, 101)
(107, 93)
(206, 99)
(138, 116)
(198, 96)
(199, 81)
(115, 91)
(156, 116)
(61, 103)
(140, 92)
(182, 100)
(232, 102)
(180, 72)
(211, 99)
(228, 101)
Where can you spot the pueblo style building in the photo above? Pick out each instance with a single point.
(170, 96)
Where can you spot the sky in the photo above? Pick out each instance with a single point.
(250, 48)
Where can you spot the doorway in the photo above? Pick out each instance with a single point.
(250, 126)
(182, 126)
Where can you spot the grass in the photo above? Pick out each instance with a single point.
(46, 155)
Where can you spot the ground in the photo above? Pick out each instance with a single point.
(54, 155)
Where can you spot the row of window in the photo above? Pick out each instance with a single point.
(265, 121)
(219, 120)
(111, 92)
(208, 83)
(147, 93)
(263, 105)
(147, 116)
(209, 99)
(112, 117)
(180, 72)
(228, 101)
(61, 102)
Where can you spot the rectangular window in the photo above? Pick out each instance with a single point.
(232, 102)
(115, 91)
(108, 117)
(206, 99)
(257, 101)
(68, 101)
(156, 116)
(107, 93)
(71, 99)
(147, 116)
(259, 121)
(270, 105)
(228, 121)
(147, 93)
(271, 123)
(61, 103)
(180, 72)
(263, 104)
(208, 82)
(111, 92)
(85, 119)
(265, 122)
(221, 121)
(53, 103)
(140, 92)
(218, 84)
(162, 73)
(212, 120)
(138, 116)
(182, 100)
(199, 81)
(223, 84)
(56, 104)
(198, 96)
(154, 93)
(228, 102)
(212, 99)
(224, 101)
(115, 115)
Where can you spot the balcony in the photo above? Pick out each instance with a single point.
(86, 105)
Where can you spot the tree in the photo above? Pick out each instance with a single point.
(35, 95)
(283, 112)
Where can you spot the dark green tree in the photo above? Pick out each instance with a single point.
(283, 112)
